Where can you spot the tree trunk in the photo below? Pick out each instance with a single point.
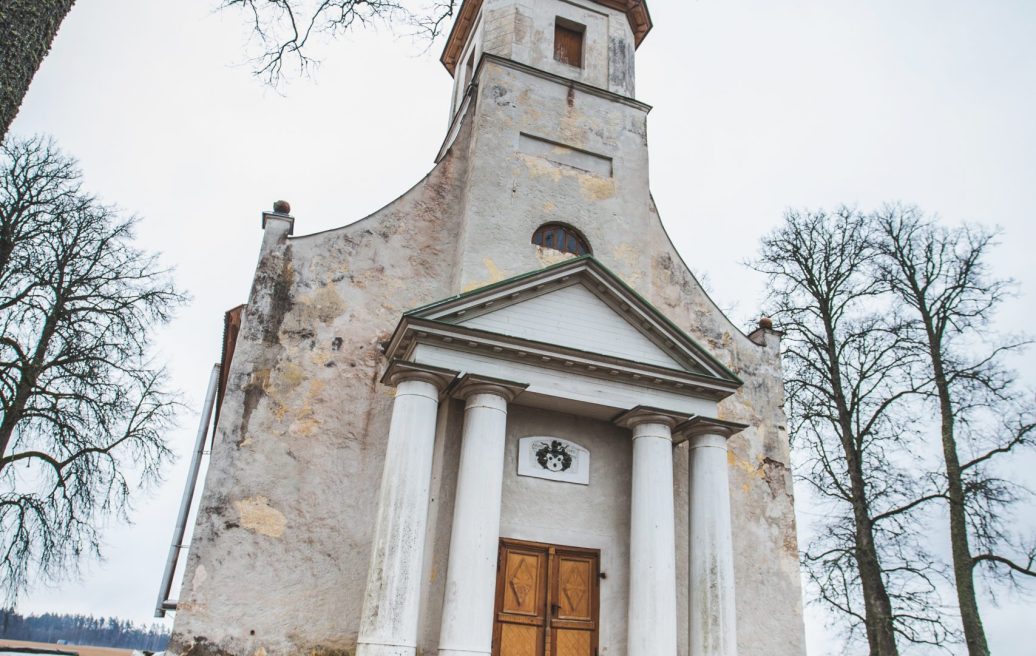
(27, 28)
(881, 635)
(14, 410)
(963, 563)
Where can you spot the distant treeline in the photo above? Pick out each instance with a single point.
(82, 630)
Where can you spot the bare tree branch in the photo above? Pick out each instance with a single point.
(1026, 569)
(82, 409)
(284, 31)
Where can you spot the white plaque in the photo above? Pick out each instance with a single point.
(554, 459)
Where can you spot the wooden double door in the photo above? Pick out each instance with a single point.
(547, 600)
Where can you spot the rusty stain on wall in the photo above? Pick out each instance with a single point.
(494, 275)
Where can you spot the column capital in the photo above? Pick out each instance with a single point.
(400, 371)
(643, 414)
(698, 426)
(471, 384)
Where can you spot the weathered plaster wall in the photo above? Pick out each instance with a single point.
(280, 551)
(512, 192)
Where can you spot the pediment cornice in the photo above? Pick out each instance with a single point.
(413, 331)
(438, 324)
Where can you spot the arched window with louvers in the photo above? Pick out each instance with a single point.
(561, 237)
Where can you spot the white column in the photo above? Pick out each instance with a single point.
(388, 625)
(713, 625)
(467, 612)
(652, 592)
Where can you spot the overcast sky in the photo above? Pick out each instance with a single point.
(759, 106)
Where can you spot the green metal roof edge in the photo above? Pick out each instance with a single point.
(611, 274)
(680, 331)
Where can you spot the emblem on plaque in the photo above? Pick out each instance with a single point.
(554, 459)
(554, 456)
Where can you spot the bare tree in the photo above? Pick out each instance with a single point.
(847, 385)
(82, 409)
(942, 276)
(28, 28)
(285, 30)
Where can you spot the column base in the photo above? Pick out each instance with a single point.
(462, 652)
(374, 649)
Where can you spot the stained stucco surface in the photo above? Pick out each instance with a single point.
(280, 552)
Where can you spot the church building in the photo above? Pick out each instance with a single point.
(499, 416)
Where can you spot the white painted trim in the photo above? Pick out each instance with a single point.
(591, 396)
(413, 332)
(638, 312)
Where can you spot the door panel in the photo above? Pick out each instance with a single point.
(523, 579)
(574, 600)
(574, 643)
(521, 600)
(547, 600)
(518, 640)
(575, 584)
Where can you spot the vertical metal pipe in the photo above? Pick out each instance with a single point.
(164, 591)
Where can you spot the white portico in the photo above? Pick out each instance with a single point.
(569, 339)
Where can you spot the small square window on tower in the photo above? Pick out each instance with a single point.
(568, 42)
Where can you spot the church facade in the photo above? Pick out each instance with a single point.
(499, 416)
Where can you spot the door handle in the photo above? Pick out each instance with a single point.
(554, 608)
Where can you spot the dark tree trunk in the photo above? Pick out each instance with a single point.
(881, 635)
(27, 28)
(13, 411)
(963, 562)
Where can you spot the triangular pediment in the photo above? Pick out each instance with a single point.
(579, 306)
(575, 317)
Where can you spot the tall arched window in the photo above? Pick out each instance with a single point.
(562, 238)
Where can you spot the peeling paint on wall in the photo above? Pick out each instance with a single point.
(198, 580)
(494, 275)
(549, 256)
(256, 514)
(595, 188)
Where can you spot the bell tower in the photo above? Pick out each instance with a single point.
(592, 42)
(544, 91)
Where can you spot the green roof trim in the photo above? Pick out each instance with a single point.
(504, 283)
